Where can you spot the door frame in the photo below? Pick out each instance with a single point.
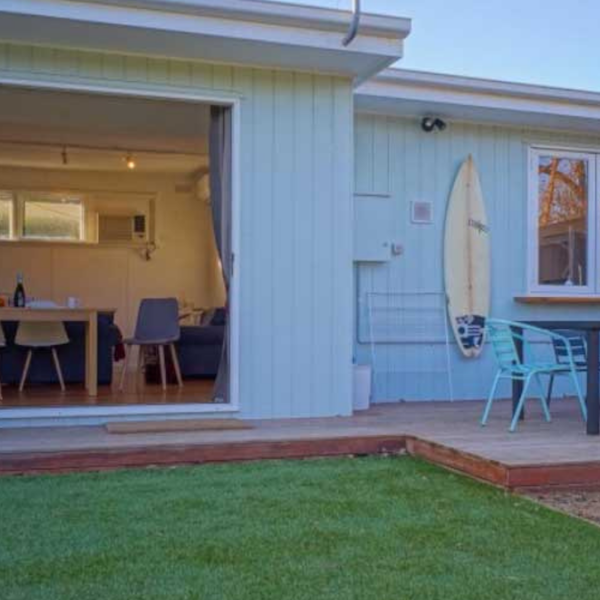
(37, 81)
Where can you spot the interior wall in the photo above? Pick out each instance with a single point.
(185, 264)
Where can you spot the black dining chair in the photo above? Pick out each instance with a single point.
(157, 325)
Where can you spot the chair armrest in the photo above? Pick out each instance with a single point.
(554, 337)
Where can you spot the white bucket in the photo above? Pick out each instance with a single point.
(362, 387)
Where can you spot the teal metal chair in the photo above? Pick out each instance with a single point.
(503, 337)
(578, 347)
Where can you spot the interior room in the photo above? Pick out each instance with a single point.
(104, 203)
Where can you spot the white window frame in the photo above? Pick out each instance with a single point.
(11, 219)
(17, 218)
(102, 414)
(21, 200)
(534, 287)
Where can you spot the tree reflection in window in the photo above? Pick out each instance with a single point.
(562, 220)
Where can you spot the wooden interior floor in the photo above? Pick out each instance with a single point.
(135, 392)
(538, 454)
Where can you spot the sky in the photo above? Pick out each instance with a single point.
(548, 42)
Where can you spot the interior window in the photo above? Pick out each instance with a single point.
(6, 206)
(562, 219)
(49, 217)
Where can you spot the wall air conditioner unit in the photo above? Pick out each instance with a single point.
(122, 228)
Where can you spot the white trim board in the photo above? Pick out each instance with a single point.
(401, 92)
(273, 13)
(168, 93)
(244, 32)
(71, 416)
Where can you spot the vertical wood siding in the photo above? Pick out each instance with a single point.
(296, 217)
(422, 167)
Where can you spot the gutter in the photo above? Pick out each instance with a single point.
(274, 13)
(473, 85)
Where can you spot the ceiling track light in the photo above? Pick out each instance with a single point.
(130, 162)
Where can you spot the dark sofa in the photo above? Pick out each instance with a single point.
(71, 355)
(199, 347)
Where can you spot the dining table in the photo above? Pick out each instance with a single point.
(63, 314)
(591, 330)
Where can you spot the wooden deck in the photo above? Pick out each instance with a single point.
(538, 455)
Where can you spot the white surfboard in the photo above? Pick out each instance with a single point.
(467, 260)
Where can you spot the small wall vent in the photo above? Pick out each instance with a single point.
(421, 213)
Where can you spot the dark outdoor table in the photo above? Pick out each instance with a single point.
(591, 329)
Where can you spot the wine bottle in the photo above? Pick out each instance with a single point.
(19, 297)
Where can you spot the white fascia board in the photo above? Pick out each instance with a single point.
(230, 31)
(273, 13)
(402, 92)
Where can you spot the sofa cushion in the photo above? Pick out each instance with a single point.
(198, 335)
(219, 317)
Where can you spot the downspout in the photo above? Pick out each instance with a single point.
(353, 30)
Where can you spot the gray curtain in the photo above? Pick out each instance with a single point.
(220, 197)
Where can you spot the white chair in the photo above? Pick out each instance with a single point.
(33, 335)
(2, 345)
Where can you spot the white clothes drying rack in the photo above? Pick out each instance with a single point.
(398, 318)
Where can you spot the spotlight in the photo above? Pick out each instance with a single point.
(130, 162)
(428, 124)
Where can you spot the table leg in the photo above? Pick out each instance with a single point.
(593, 387)
(91, 355)
(517, 384)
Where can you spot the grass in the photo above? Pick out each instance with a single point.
(368, 529)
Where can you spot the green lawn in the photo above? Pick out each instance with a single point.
(368, 529)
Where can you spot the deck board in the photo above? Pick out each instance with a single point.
(538, 454)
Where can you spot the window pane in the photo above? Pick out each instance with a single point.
(562, 220)
(52, 218)
(5, 210)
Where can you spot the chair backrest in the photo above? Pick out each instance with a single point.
(41, 334)
(158, 319)
(502, 337)
(578, 347)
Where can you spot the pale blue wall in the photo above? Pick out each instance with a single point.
(296, 216)
(396, 164)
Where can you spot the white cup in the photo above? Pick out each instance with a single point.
(73, 302)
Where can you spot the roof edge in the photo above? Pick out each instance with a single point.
(492, 87)
(276, 13)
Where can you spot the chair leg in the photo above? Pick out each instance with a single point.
(163, 370)
(580, 397)
(175, 359)
(58, 369)
(545, 407)
(141, 359)
(25, 369)
(125, 367)
(550, 388)
(521, 403)
(488, 405)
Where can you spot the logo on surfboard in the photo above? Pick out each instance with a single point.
(470, 329)
(478, 226)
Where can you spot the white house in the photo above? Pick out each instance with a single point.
(106, 115)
